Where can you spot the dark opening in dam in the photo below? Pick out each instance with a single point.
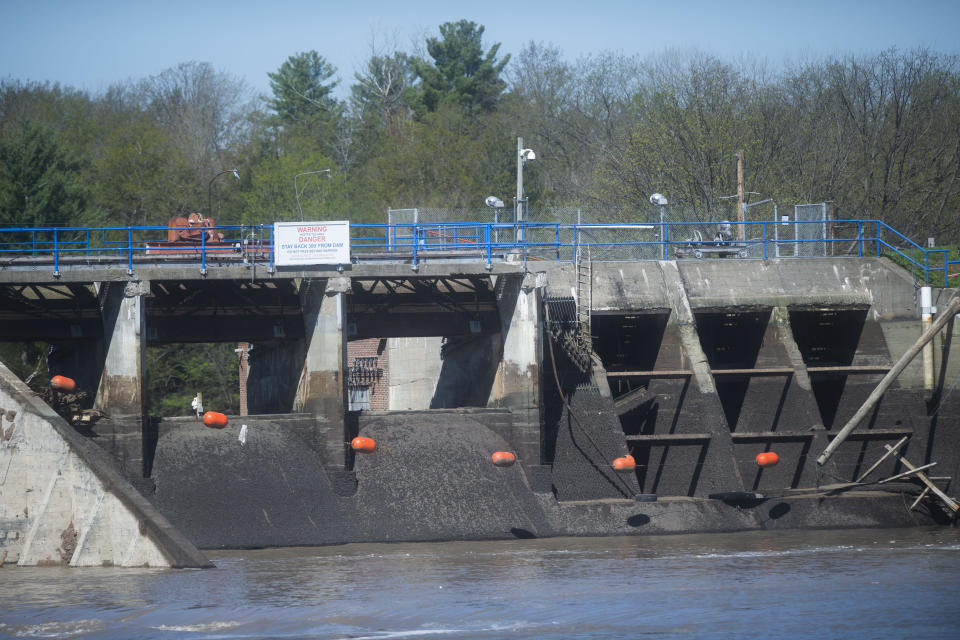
(731, 341)
(828, 338)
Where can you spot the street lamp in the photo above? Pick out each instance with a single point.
(660, 199)
(496, 204)
(210, 188)
(522, 156)
(297, 191)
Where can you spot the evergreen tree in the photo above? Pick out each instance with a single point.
(461, 73)
(40, 183)
(302, 89)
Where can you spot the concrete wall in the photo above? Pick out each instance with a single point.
(415, 367)
(62, 502)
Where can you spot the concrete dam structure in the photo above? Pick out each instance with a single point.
(692, 367)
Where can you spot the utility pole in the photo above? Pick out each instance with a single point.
(522, 156)
(519, 214)
(740, 210)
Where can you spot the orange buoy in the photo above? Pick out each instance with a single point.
(63, 383)
(363, 444)
(624, 464)
(767, 459)
(503, 459)
(215, 420)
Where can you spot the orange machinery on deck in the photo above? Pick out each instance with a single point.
(186, 235)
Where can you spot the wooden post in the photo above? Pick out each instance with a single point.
(882, 458)
(920, 497)
(947, 500)
(888, 379)
(908, 473)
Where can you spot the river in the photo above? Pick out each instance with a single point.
(891, 583)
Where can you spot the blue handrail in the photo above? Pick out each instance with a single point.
(65, 246)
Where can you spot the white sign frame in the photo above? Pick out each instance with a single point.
(311, 243)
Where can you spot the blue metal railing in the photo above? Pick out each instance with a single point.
(487, 241)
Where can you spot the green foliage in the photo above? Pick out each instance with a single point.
(177, 372)
(460, 73)
(140, 176)
(40, 183)
(275, 181)
(302, 89)
(27, 361)
(909, 258)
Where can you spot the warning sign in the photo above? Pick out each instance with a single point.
(307, 243)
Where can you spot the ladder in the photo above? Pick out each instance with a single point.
(584, 300)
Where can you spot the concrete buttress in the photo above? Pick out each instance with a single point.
(120, 392)
(516, 385)
(717, 470)
(322, 387)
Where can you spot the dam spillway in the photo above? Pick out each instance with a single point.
(693, 367)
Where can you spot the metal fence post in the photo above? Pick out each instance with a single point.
(486, 242)
(416, 243)
(129, 251)
(56, 256)
(203, 252)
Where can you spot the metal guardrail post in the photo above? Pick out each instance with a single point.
(273, 251)
(878, 238)
(664, 238)
(203, 251)
(486, 242)
(416, 243)
(56, 256)
(129, 251)
(859, 239)
(764, 240)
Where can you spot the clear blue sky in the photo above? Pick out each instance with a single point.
(90, 44)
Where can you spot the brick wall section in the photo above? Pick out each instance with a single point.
(372, 348)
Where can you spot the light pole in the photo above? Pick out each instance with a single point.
(210, 188)
(660, 199)
(496, 204)
(522, 156)
(297, 191)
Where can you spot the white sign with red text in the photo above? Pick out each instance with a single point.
(305, 243)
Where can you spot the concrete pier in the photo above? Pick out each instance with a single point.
(516, 385)
(322, 388)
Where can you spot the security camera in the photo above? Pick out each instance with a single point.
(658, 198)
(494, 202)
(528, 154)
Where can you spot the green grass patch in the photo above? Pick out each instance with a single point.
(936, 264)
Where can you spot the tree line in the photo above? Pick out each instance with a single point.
(877, 135)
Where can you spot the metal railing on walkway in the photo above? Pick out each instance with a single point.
(412, 243)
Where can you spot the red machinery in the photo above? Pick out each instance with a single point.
(186, 234)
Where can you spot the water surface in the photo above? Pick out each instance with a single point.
(830, 584)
